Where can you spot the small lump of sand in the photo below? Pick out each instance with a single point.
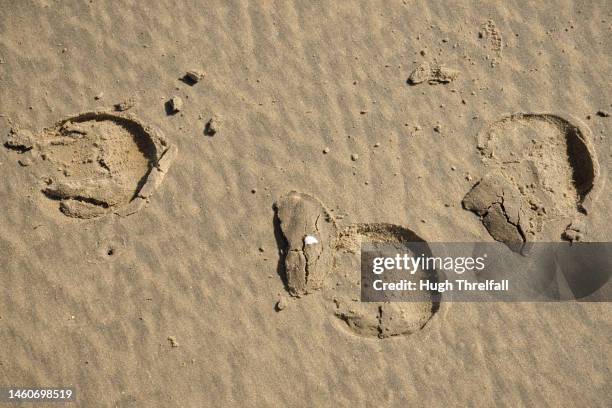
(281, 304)
(194, 75)
(176, 103)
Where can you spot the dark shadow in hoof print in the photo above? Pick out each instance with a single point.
(97, 163)
(305, 232)
(543, 175)
(377, 319)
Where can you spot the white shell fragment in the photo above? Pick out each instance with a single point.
(310, 240)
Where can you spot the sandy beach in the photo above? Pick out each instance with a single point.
(164, 161)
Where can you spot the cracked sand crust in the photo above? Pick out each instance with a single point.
(306, 265)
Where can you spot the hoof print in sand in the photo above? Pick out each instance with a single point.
(309, 233)
(97, 163)
(376, 319)
(544, 172)
(385, 320)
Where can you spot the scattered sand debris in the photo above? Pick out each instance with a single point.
(436, 74)
(21, 140)
(125, 105)
(442, 75)
(420, 74)
(490, 33)
(575, 231)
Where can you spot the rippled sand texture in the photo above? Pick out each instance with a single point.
(93, 302)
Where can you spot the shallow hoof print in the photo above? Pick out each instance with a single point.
(308, 232)
(397, 319)
(408, 314)
(385, 320)
(362, 319)
(98, 163)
